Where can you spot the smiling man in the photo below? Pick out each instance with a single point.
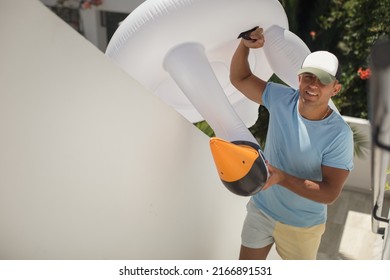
(309, 149)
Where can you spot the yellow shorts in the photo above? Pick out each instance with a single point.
(291, 243)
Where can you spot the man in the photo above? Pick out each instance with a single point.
(309, 149)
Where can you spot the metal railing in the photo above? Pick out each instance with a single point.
(380, 163)
(380, 124)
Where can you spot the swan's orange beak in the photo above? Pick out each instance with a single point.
(241, 166)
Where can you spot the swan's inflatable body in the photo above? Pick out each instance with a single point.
(144, 38)
(181, 51)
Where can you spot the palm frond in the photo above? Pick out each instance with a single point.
(361, 143)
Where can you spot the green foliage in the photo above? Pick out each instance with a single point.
(352, 27)
(387, 185)
(205, 127)
(361, 143)
(348, 28)
(260, 128)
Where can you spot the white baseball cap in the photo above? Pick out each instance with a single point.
(323, 64)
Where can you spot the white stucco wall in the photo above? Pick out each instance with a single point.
(92, 165)
(360, 177)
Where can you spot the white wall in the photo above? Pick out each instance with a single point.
(360, 177)
(92, 165)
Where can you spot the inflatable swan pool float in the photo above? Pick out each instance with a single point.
(181, 51)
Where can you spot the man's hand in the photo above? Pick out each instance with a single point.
(256, 39)
(275, 176)
(325, 191)
(241, 75)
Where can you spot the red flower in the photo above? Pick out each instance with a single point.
(86, 5)
(364, 74)
(313, 34)
(97, 2)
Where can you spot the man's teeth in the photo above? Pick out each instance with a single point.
(311, 93)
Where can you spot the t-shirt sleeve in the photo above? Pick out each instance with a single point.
(273, 92)
(341, 151)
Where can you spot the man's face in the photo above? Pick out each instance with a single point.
(313, 91)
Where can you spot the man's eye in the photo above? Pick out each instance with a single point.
(309, 77)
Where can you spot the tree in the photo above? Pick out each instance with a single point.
(349, 28)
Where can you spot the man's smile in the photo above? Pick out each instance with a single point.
(311, 93)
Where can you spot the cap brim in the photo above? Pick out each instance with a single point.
(322, 75)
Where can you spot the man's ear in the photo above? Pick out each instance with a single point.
(336, 89)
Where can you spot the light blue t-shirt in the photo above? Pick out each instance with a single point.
(299, 147)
